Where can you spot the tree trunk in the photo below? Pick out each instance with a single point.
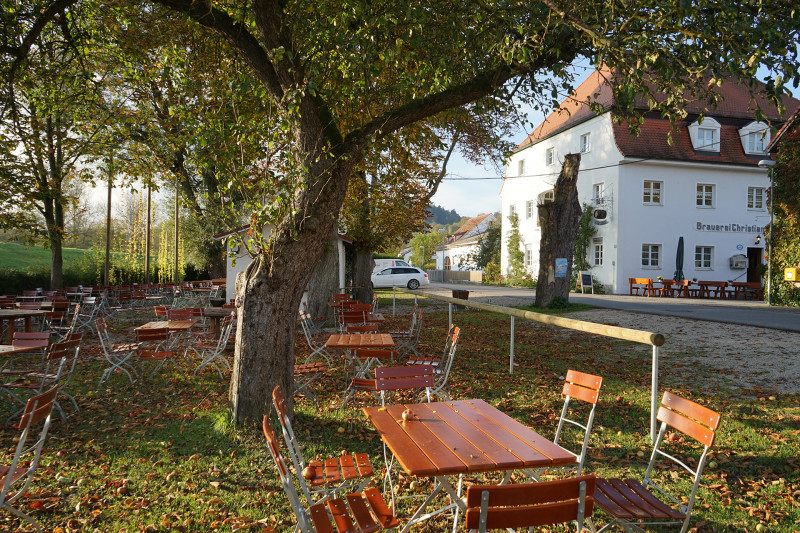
(362, 274)
(324, 279)
(559, 221)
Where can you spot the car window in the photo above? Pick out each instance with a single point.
(385, 272)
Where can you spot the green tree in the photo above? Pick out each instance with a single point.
(516, 255)
(489, 246)
(342, 76)
(423, 249)
(784, 232)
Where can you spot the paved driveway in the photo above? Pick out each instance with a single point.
(726, 311)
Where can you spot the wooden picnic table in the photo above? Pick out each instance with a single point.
(10, 315)
(8, 349)
(445, 439)
(215, 315)
(171, 325)
(364, 340)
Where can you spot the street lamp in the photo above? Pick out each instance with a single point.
(768, 164)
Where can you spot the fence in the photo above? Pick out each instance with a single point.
(634, 335)
(444, 276)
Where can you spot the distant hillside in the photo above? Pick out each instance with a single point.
(439, 215)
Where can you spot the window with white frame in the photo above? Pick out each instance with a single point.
(652, 192)
(550, 156)
(512, 210)
(521, 167)
(597, 193)
(705, 135)
(703, 257)
(597, 251)
(529, 209)
(528, 255)
(651, 255)
(755, 138)
(586, 145)
(755, 198)
(547, 196)
(705, 195)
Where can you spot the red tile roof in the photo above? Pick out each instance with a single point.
(737, 103)
(468, 226)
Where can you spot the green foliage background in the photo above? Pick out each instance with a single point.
(785, 235)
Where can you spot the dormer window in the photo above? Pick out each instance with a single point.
(755, 137)
(705, 135)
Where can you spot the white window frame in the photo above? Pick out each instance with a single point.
(597, 251)
(652, 261)
(755, 198)
(755, 138)
(512, 210)
(586, 143)
(598, 189)
(704, 257)
(529, 209)
(649, 191)
(528, 256)
(705, 197)
(709, 126)
(521, 167)
(550, 156)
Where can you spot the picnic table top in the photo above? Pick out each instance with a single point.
(362, 340)
(450, 438)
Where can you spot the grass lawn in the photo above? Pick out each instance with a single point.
(20, 257)
(162, 456)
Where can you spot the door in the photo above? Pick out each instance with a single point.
(754, 265)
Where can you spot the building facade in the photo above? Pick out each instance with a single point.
(701, 181)
(459, 252)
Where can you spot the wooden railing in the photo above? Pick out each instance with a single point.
(656, 340)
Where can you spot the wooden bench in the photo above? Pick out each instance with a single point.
(750, 290)
(712, 289)
(641, 286)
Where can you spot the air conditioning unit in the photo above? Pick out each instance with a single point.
(739, 262)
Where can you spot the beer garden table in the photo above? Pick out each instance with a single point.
(447, 439)
(10, 315)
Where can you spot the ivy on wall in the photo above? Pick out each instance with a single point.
(785, 235)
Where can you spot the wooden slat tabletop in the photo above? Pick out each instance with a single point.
(449, 438)
(7, 349)
(172, 325)
(365, 340)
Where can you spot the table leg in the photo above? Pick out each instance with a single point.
(27, 323)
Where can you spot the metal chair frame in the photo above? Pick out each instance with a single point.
(118, 356)
(632, 504)
(213, 355)
(17, 476)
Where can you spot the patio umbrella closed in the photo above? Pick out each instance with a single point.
(678, 276)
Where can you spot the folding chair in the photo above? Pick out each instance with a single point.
(212, 353)
(531, 504)
(633, 504)
(304, 375)
(151, 347)
(47, 377)
(118, 355)
(84, 313)
(74, 339)
(322, 478)
(430, 359)
(407, 340)
(317, 347)
(18, 475)
(441, 366)
(396, 378)
(369, 510)
(577, 386)
(37, 342)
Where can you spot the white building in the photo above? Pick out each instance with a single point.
(459, 252)
(647, 192)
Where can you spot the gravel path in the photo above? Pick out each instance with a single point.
(745, 360)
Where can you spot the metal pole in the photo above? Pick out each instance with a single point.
(177, 228)
(107, 266)
(771, 238)
(394, 300)
(654, 396)
(449, 314)
(147, 237)
(511, 349)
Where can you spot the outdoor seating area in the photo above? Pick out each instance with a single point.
(733, 290)
(439, 438)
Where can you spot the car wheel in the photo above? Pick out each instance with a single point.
(413, 284)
